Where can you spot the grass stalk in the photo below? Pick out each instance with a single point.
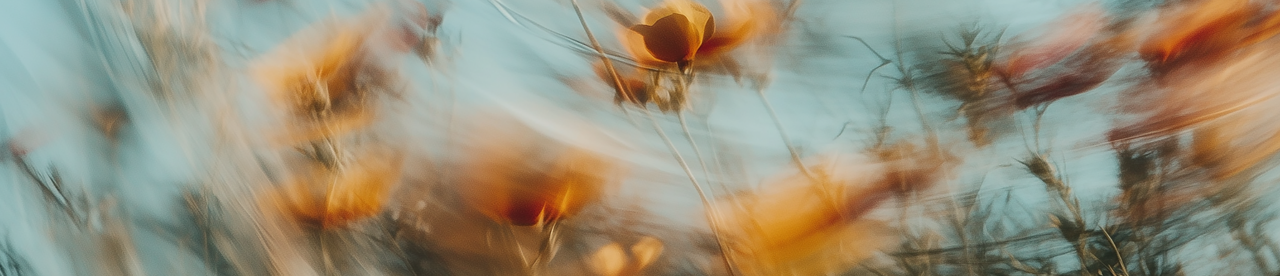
(608, 63)
(713, 214)
(786, 139)
(693, 143)
(1119, 255)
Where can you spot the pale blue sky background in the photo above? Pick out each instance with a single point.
(50, 75)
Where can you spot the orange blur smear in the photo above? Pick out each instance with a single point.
(743, 21)
(802, 227)
(1060, 40)
(1208, 29)
(336, 199)
(519, 176)
(1223, 102)
(324, 78)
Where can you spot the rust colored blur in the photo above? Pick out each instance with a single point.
(1200, 30)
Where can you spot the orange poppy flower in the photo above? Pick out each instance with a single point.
(673, 32)
(679, 31)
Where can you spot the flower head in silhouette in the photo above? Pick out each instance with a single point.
(680, 31)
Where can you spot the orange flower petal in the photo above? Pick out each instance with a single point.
(672, 32)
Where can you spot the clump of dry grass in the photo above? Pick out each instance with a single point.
(965, 73)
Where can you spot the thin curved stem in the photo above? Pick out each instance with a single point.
(909, 84)
(713, 216)
(795, 156)
(608, 64)
(786, 139)
(1119, 256)
(693, 143)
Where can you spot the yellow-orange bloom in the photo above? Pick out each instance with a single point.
(679, 31)
(674, 31)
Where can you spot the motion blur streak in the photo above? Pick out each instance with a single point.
(639, 137)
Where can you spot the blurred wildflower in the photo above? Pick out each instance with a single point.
(515, 174)
(743, 21)
(415, 32)
(327, 78)
(680, 31)
(1223, 100)
(802, 227)
(1076, 55)
(332, 199)
(673, 32)
(109, 120)
(1205, 30)
(1055, 42)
